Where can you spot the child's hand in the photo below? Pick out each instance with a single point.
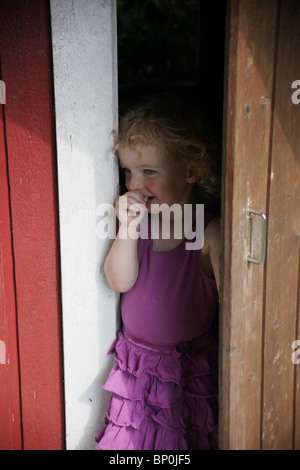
(129, 207)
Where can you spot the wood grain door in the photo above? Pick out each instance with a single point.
(260, 302)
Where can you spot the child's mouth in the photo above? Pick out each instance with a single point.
(148, 200)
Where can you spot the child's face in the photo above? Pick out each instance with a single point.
(159, 180)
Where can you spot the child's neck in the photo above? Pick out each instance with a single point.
(168, 230)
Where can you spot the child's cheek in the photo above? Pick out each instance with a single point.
(152, 186)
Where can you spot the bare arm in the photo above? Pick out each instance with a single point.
(121, 265)
(211, 250)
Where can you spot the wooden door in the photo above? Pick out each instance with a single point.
(260, 395)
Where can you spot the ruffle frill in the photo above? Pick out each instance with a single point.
(161, 400)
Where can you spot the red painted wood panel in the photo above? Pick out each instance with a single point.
(10, 419)
(25, 47)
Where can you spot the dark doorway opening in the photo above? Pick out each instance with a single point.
(170, 45)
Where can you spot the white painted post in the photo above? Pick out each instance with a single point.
(85, 81)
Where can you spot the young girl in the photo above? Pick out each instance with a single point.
(164, 382)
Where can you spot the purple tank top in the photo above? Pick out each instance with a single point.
(173, 300)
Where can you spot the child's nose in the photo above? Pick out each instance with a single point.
(135, 182)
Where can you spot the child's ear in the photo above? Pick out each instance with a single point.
(192, 172)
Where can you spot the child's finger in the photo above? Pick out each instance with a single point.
(129, 201)
(135, 209)
(135, 196)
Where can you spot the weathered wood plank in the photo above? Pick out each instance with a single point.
(248, 116)
(10, 416)
(283, 244)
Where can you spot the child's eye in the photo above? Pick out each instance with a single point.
(149, 172)
(126, 171)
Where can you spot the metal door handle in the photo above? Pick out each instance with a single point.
(250, 212)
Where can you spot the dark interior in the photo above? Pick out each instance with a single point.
(172, 45)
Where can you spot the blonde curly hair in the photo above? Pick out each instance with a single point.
(176, 128)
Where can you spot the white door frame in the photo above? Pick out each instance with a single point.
(84, 38)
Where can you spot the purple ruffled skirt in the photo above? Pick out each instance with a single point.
(162, 400)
